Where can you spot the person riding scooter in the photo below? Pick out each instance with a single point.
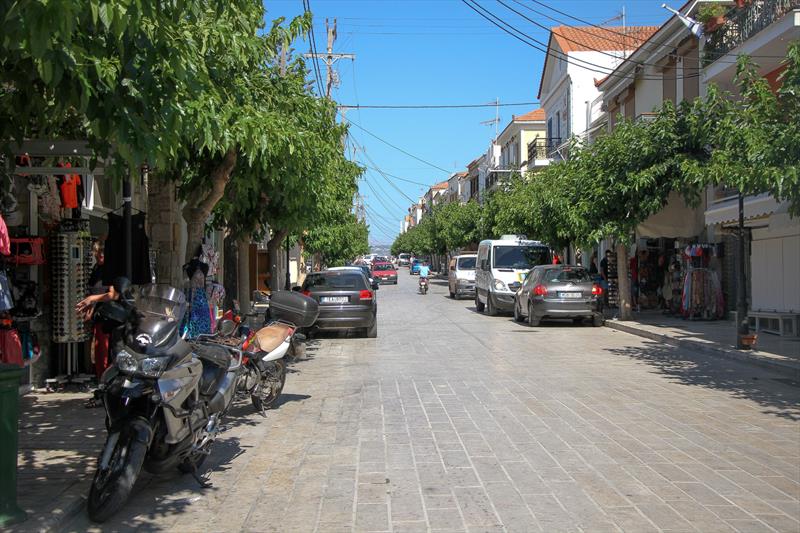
(424, 271)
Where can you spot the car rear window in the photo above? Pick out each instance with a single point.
(383, 267)
(466, 263)
(335, 281)
(555, 275)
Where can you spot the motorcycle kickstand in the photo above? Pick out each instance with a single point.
(200, 481)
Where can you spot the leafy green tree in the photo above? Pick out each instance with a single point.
(338, 242)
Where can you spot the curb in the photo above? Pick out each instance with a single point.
(790, 369)
(67, 507)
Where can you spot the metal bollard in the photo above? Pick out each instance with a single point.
(10, 513)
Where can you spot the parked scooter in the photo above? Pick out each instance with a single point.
(268, 349)
(423, 285)
(164, 398)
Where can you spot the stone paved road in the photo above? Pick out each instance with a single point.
(453, 421)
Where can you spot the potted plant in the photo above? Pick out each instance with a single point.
(711, 16)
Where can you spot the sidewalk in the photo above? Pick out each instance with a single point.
(59, 441)
(781, 354)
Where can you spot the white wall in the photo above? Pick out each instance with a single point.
(583, 87)
(649, 92)
(775, 264)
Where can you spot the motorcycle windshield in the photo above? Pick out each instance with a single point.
(161, 310)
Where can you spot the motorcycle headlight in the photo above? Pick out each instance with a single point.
(153, 366)
(499, 285)
(126, 362)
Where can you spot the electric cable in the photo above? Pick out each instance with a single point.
(604, 52)
(387, 143)
(436, 106)
(542, 47)
(586, 22)
(313, 45)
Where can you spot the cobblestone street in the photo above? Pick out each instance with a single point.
(455, 421)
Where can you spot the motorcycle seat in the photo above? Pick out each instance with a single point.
(272, 336)
(210, 354)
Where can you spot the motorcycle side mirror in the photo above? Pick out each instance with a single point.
(226, 327)
(123, 287)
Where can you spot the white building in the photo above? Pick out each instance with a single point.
(578, 57)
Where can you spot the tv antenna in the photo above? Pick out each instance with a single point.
(496, 120)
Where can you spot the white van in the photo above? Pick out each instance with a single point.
(502, 265)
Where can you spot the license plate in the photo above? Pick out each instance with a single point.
(570, 295)
(334, 299)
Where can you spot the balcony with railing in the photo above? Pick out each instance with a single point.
(742, 24)
(557, 149)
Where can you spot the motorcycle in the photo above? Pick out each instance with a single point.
(423, 285)
(268, 349)
(164, 397)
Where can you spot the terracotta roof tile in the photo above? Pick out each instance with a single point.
(440, 185)
(536, 114)
(590, 38)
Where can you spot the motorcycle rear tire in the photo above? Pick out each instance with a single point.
(103, 504)
(261, 403)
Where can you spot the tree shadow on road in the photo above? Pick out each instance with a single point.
(738, 379)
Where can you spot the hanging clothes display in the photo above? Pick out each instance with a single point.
(115, 250)
(216, 295)
(69, 186)
(210, 257)
(5, 240)
(6, 296)
(198, 319)
(88, 192)
(702, 295)
(11, 347)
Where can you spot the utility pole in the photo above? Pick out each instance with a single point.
(330, 58)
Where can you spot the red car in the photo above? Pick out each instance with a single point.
(384, 272)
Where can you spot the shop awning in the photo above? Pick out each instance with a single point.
(675, 220)
(727, 211)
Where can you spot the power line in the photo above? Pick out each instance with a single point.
(387, 143)
(397, 177)
(604, 52)
(543, 47)
(436, 106)
(313, 46)
(588, 23)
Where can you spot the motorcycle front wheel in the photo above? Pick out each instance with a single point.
(112, 486)
(270, 387)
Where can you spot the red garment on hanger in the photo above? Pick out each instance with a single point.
(5, 240)
(68, 187)
(10, 347)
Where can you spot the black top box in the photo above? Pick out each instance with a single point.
(293, 307)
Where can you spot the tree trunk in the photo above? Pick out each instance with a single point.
(623, 282)
(317, 262)
(273, 252)
(200, 203)
(231, 271)
(243, 245)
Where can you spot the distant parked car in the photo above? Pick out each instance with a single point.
(558, 291)
(364, 269)
(461, 275)
(346, 301)
(403, 260)
(384, 273)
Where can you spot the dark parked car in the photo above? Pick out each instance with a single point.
(346, 301)
(558, 291)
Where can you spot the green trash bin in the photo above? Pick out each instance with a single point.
(10, 376)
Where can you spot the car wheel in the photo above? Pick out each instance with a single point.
(491, 310)
(372, 331)
(452, 295)
(532, 320)
(517, 316)
(478, 305)
(598, 320)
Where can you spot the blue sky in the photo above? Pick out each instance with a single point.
(435, 52)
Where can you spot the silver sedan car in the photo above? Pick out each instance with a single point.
(558, 291)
